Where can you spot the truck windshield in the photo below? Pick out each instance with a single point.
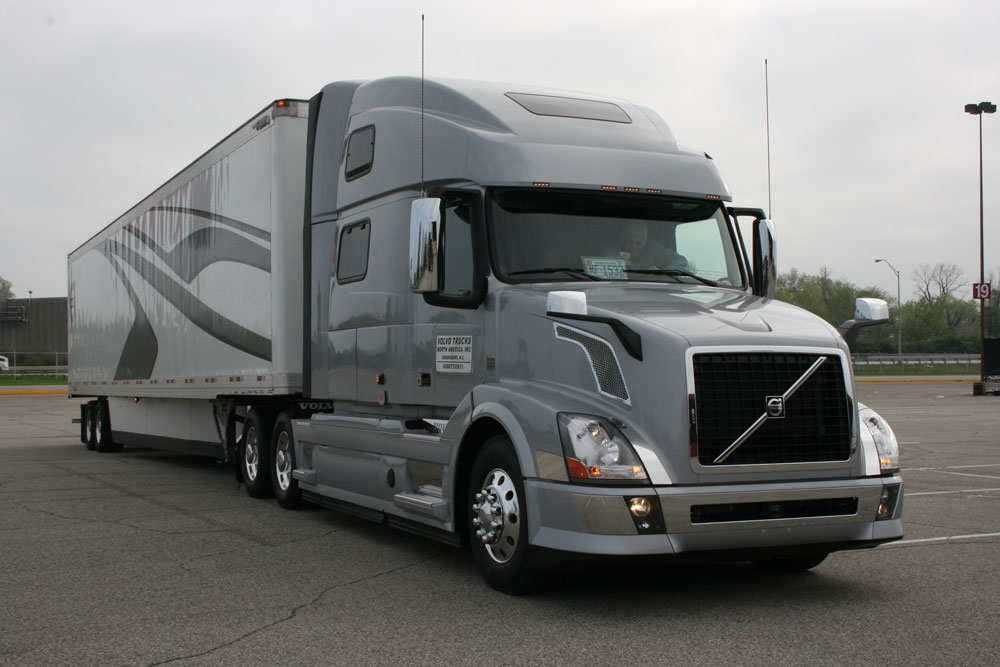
(574, 235)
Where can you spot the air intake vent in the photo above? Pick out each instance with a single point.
(602, 358)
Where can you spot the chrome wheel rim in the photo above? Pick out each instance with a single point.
(283, 461)
(496, 515)
(251, 457)
(98, 427)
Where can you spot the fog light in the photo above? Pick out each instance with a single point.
(639, 507)
(887, 503)
(645, 513)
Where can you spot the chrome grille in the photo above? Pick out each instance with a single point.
(731, 392)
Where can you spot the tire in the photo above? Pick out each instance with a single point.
(496, 522)
(286, 488)
(87, 424)
(102, 428)
(797, 564)
(234, 445)
(255, 454)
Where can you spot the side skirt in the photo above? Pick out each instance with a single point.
(406, 525)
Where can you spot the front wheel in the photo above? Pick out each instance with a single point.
(286, 489)
(498, 535)
(255, 455)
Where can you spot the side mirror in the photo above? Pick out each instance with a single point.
(765, 269)
(764, 278)
(867, 313)
(425, 223)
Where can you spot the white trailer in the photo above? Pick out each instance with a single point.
(195, 293)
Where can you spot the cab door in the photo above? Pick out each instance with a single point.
(449, 342)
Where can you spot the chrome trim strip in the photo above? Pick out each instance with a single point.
(421, 437)
(658, 475)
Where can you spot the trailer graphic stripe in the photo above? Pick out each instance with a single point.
(204, 247)
(141, 347)
(216, 217)
(206, 319)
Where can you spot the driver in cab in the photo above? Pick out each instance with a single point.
(641, 252)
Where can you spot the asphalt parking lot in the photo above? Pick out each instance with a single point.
(150, 558)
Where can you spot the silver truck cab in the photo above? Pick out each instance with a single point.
(533, 320)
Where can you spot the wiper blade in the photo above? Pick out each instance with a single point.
(579, 273)
(674, 273)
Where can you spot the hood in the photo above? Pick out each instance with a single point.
(704, 315)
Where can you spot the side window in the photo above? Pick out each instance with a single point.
(353, 253)
(360, 153)
(702, 244)
(457, 253)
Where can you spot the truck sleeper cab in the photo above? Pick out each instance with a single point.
(547, 333)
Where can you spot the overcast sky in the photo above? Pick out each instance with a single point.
(872, 154)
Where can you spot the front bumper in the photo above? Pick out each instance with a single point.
(596, 520)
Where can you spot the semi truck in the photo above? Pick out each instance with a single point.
(523, 319)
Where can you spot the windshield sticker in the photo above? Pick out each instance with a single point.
(454, 354)
(608, 268)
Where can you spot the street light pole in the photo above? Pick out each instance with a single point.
(899, 313)
(979, 110)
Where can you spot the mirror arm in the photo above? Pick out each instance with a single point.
(850, 329)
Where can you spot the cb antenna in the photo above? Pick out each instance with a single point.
(422, 106)
(767, 125)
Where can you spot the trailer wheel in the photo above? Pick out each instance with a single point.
(797, 564)
(102, 428)
(234, 444)
(87, 424)
(498, 536)
(286, 488)
(255, 455)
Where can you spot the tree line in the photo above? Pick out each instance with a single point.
(6, 291)
(942, 318)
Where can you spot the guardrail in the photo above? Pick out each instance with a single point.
(42, 362)
(35, 370)
(914, 359)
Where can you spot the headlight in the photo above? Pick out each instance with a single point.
(597, 451)
(885, 439)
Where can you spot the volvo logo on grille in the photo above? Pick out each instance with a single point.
(775, 407)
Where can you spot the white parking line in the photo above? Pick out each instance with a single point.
(944, 493)
(973, 465)
(950, 472)
(949, 538)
